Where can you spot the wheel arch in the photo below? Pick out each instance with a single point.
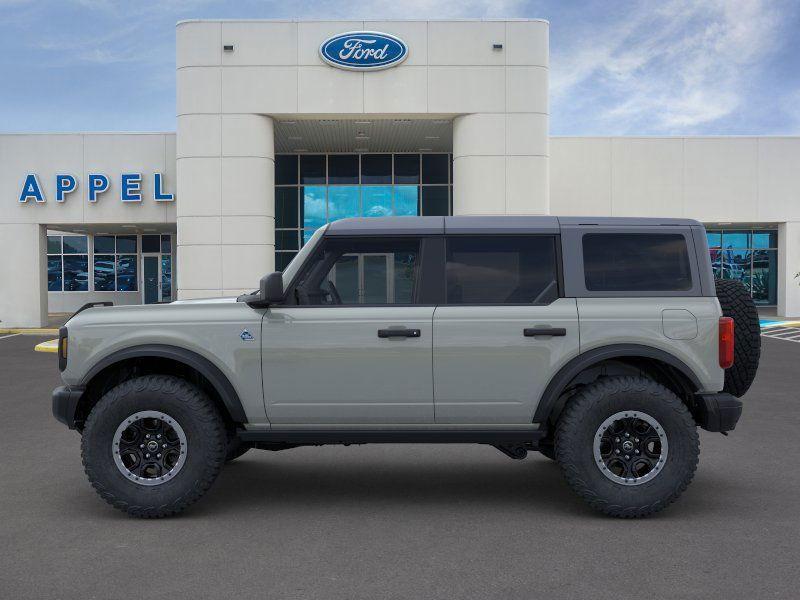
(673, 372)
(167, 360)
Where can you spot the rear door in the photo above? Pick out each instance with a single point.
(503, 331)
(357, 346)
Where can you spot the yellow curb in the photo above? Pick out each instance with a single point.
(48, 346)
(30, 331)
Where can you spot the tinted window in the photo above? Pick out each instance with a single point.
(434, 168)
(151, 243)
(285, 169)
(361, 271)
(376, 168)
(636, 262)
(343, 168)
(501, 270)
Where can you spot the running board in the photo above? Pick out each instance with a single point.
(423, 435)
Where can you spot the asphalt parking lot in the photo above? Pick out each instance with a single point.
(400, 521)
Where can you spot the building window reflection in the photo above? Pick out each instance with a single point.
(67, 263)
(749, 256)
(314, 189)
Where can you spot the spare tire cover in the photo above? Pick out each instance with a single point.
(736, 303)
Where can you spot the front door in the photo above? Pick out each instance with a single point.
(151, 278)
(503, 330)
(353, 345)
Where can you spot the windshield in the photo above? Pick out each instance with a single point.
(291, 269)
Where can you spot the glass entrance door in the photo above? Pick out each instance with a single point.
(151, 265)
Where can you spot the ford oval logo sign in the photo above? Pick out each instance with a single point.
(363, 50)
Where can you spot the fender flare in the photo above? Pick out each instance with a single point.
(583, 361)
(202, 365)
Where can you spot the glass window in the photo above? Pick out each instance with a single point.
(54, 244)
(76, 273)
(765, 276)
(636, 262)
(406, 202)
(736, 265)
(314, 206)
(54, 277)
(765, 239)
(126, 244)
(104, 272)
(151, 243)
(735, 239)
(126, 273)
(312, 168)
(286, 207)
(376, 201)
(286, 169)
(376, 168)
(286, 240)
(282, 259)
(75, 244)
(434, 201)
(434, 168)
(166, 278)
(714, 239)
(406, 168)
(501, 270)
(166, 244)
(343, 202)
(361, 272)
(343, 168)
(104, 244)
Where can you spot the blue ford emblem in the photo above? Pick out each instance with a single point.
(363, 50)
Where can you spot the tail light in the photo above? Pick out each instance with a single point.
(725, 342)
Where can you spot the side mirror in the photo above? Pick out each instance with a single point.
(271, 288)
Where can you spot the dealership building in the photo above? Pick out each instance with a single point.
(283, 126)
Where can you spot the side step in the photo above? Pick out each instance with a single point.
(506, 436)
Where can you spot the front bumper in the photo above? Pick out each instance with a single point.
(717, 412)
(65, 404)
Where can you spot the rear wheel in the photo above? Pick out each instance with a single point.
(736, 302)
(627, 445)
(153, 445)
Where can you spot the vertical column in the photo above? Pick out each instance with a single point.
(248, 201)
(23, 302)
(225, 212)
(500, 164)
(788, 265)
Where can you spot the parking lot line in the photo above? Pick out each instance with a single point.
(2, 337)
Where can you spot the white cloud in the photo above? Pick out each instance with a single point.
(670, 69)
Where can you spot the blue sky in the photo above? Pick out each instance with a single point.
(617, 68)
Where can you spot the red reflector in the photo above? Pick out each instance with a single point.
(725, 342)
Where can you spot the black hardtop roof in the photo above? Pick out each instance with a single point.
(488, 224)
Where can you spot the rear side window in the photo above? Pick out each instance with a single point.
(501, 270)
(631, 262)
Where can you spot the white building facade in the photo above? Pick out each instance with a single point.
(285, 125)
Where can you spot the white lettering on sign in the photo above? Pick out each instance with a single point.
(353, 48)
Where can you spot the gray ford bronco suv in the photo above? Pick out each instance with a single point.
(602, 343)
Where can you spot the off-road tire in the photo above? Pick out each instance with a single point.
(579, 423)
(188, 406)
(737, 303)
(235, 449)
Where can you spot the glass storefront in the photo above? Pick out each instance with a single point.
(111, 263)
(749, 256)
(314, 189)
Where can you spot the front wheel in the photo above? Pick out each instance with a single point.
(627, 445)
(153, 445)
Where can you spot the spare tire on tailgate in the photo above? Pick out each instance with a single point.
(736, 302)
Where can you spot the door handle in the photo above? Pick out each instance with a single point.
(552, 331)
(398, 333)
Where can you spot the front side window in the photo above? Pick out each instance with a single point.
(636, 262)
(361, 271)
(501, 270)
